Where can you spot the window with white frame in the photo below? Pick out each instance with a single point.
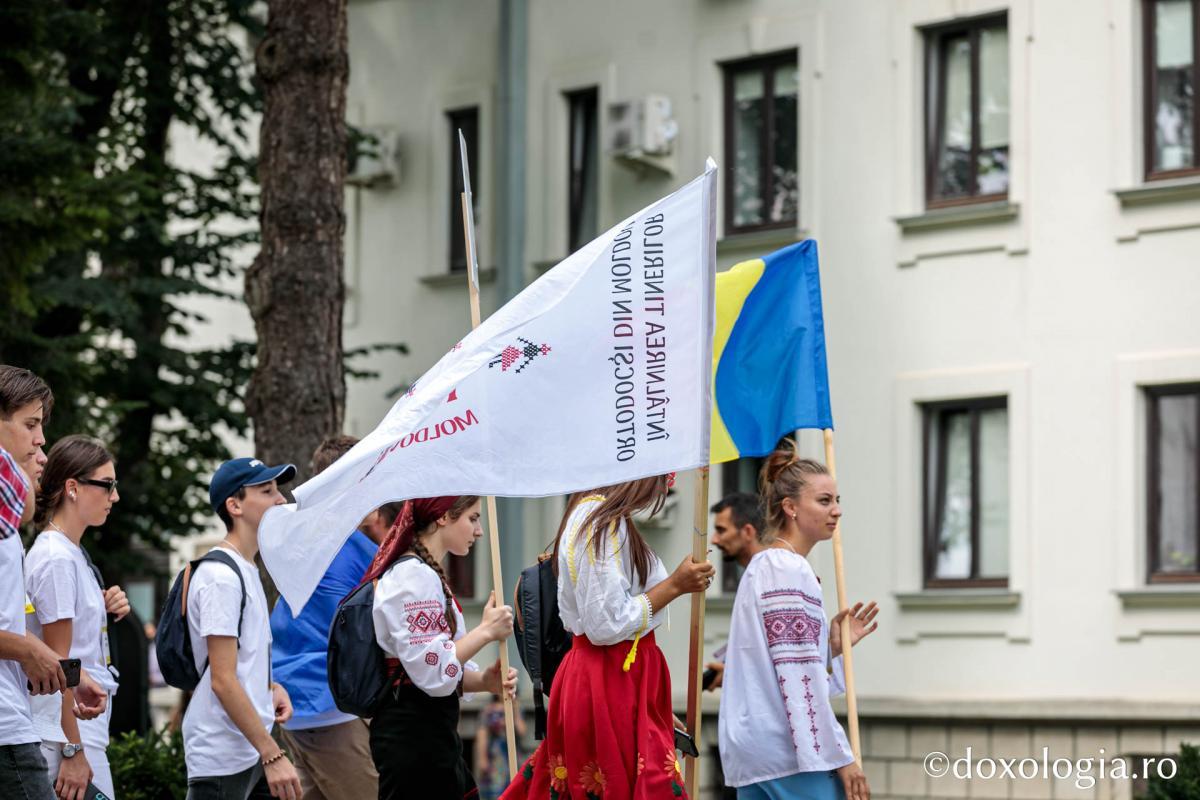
(762, 186)
(1171, 77)
(966, 493)
(1173, 482)
(967, 111)
(583, 167)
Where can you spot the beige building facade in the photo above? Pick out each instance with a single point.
(1007, 201)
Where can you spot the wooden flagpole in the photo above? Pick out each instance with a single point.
(839, 570)
(696, 641)
(510, 732)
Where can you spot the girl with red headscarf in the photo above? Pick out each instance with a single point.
(419, 626)
(609, 727)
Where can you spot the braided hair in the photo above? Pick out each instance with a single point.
(418, 547)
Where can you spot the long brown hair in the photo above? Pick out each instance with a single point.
(621, 501)
(785, 474)
(72, 456)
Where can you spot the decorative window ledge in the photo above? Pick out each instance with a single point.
(958, 216)
(1056, 710)
(1152, 192)
(760, 240)
(958, 600)
(486, 275)
(1160, 597)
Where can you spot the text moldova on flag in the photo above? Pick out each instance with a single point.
(597, 373)
(770, 376)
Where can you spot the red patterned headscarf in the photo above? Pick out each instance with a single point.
(414, 516)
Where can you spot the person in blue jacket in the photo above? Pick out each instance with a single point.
(331, 749)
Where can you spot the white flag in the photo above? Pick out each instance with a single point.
(598, 373)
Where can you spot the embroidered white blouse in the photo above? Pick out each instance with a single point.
(775, 717)
(410, 625)
(599, 596)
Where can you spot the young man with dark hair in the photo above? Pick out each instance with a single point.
(25, 402)
(738, 527)
(227, 727)
(737, 532)
(332, 749)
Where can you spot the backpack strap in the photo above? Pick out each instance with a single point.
(224, 558)
(529, 603)
(109, 640)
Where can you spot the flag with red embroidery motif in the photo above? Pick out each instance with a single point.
(598, 373)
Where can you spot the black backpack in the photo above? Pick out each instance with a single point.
(542, 641)
(173, 641)
(359, 678)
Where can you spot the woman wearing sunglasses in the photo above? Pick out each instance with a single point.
(70, 611)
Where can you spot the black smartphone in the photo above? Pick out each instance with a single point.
(92, 793)
(70, 668)
(685, 744)
(706, 680)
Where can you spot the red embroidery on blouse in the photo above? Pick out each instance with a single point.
(788, 626)
(812, 713)
(431, 659)
(451, 670)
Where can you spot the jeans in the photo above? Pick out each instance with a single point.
(23, 774)
(249, 784)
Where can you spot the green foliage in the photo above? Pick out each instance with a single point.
(149, 767)
(105, 237)
(1186, 783)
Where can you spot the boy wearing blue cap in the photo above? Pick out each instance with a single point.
(227, 728)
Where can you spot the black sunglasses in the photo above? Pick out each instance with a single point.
(107, 484)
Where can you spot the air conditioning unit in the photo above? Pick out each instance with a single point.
(664, 519)
(641, 133)
(375, 162)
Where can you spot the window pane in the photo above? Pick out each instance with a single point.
(785, 173)
(954, 534)
(468, 120)
(584, 162)
(954, 153)
(993, 493)
(1174, 137)
(748, 115)
(460, 574)
(993, 111)
(1178, 483)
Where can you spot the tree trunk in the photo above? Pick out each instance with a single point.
(294, 288)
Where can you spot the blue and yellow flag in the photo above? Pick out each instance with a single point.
(769, 371)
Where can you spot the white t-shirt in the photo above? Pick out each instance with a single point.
(212, 742)
(16, 723)
(61, 585)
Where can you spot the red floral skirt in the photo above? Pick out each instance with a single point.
(609, 733)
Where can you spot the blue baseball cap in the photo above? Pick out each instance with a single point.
(233, 475)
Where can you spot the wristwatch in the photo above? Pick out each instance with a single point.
(70, 749)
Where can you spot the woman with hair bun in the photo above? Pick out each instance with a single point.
(420, 627)
(610, 731)
(778, 734)
(70, 612)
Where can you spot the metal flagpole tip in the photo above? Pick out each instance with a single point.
(466, 167)
(468, 214)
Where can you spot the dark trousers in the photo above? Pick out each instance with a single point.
(23, 774)
(417, 750)
(249, 784)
